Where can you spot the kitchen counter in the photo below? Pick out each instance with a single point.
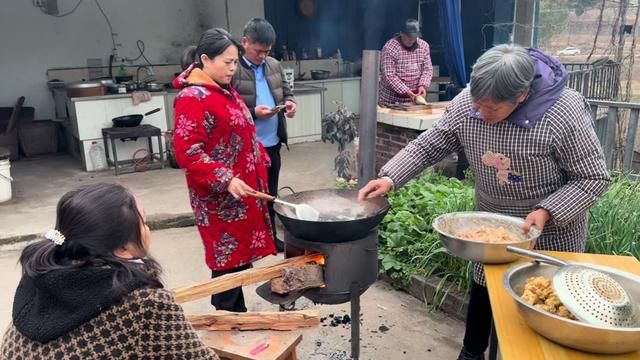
(337, 90)
(89, 115)
(396, 128)
(304, 89)
(306, 125)
(113, 96)
(334, 79)
(92, 113)
(416, 119)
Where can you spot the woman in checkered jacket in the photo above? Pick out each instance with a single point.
(405, 67)
(89, 290)
(532, 145)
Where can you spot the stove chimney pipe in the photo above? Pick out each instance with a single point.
(368, 116)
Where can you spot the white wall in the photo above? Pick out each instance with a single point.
(33, 42)
(214, 14)
(242, 11)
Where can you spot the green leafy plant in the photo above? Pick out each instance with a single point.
(613, 222)
(342, 183)
(339, 127)
(409, 245)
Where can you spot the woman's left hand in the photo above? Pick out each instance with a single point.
(291, 109)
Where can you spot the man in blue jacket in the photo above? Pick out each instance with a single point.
(260, 82)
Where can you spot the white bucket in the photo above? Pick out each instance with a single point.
(5, 180)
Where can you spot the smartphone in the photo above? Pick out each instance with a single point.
(278, 108)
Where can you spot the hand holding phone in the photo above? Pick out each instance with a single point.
(278, 108)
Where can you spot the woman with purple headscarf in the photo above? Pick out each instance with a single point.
(531, 143)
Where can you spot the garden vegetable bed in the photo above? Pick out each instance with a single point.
(412, 257)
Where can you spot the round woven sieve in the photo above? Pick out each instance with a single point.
(595, 297)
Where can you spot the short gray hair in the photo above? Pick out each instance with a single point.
(503, 73)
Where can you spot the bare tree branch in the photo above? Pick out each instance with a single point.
(632, 59)
(595, 40)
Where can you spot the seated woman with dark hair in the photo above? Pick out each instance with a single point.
(89, 290)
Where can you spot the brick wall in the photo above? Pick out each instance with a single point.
(390, 140)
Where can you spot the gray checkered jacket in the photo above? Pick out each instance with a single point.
(557, 165)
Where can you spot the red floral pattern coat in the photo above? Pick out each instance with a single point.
(215, 141)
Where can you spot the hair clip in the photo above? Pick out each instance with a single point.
(55, 236)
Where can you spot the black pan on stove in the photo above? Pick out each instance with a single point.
(342, 217)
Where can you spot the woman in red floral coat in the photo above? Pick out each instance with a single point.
(215, 143)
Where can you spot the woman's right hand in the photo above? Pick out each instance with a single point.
(264, 112)
(238, 188)
(375, 188)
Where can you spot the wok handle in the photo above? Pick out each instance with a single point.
(537, 256)
(287, 188)
(260, 195)
(152, 111)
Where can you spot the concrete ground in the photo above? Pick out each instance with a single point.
(39, 183)
(395, 325)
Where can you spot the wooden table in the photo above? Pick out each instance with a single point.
(517, 340)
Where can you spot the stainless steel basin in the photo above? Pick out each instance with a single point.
(490, 253)
(571, 333)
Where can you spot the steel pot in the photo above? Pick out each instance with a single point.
(320, 74)
(154, 87)
(571, 333)
(106, 81)
(85, 88)
(342, 217)
(448, 225)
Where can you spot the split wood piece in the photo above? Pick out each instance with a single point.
(297, 278)
(242, 278)
(225, 320)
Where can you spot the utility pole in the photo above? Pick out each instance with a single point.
(624, 5)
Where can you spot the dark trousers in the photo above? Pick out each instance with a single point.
(463, 164)
(273, 175)
(478, 326)
(230, 300)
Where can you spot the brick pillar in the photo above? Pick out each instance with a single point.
(390, 140)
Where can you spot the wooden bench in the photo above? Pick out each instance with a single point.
(238, 345)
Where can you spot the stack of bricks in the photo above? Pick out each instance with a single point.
(390, 140)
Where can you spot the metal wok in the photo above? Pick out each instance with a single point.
(342, 217)
(132, 120)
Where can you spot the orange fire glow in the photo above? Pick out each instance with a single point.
(318, 258)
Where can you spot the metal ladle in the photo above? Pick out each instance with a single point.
(303, 211)
(590, 293)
